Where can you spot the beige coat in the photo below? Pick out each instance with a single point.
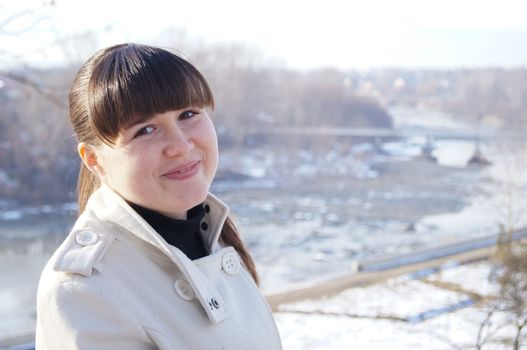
(116, 284)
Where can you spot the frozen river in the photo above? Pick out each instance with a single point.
(303, 214)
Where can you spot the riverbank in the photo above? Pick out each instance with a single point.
(437, 309)
(381, 270)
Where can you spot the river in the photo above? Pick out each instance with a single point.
(303, 213)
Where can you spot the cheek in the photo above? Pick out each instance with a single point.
(129, 167)
(134, 177)
(212, 146)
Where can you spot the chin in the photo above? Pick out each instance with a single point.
(195, 198)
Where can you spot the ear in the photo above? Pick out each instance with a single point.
(89, 157)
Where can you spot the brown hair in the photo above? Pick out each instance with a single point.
(127, 83)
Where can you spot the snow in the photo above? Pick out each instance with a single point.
(453, 153)
(401, 313)
(11, 215)
(18, 214)
(403, 150)
(377, 300)
(473, 277)
(502, 199)
(341, 333)
(477, 219)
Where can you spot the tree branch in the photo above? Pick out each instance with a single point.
(36, 87)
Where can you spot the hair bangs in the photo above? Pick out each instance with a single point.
(134, 82)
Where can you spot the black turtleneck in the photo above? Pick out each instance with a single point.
(183, 234)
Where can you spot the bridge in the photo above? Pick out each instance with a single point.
(437, 134)
(380, 134)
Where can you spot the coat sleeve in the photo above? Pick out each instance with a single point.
(75, 315)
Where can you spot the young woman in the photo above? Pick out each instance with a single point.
(153, 261)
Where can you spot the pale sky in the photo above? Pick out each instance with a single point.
(301, 34)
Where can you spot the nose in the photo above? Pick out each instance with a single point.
(177, 142)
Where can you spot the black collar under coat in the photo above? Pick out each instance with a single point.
(182, 234)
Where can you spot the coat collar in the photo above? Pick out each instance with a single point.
(108, 206)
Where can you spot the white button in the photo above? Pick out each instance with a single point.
(184, 290)
(230, 262)
(86, 238)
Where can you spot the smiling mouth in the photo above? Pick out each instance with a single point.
(184, 172)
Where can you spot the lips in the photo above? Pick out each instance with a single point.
(184, 171)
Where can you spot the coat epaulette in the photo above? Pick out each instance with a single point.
(81, 251)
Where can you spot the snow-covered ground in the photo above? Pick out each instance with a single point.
(437, 311)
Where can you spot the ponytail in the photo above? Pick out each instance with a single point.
(86, 185)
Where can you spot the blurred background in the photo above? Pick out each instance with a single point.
(355, 138)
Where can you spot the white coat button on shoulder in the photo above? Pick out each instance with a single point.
(230, 263)
(86, 238)
(184, 290)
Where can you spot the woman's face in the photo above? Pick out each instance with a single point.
(165, 163)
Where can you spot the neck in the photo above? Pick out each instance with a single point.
(177, 216)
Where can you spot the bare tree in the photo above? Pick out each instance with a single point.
(509, 308)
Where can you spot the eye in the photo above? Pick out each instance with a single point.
(147, 130)
(188, 114)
